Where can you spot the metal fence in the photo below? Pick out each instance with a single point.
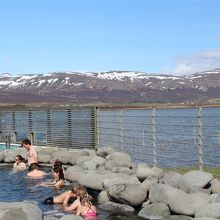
(72, 128)
(186, 137)
(164, 137)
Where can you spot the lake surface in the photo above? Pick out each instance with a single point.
(16, 187)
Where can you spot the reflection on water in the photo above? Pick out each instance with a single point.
(17, 187)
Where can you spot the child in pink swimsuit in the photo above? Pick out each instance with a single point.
(86, 209)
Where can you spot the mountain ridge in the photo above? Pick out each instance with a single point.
(109, 87)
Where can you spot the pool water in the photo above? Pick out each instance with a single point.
(12, 146)
(17, 187)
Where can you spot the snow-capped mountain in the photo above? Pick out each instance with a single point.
(109, 86)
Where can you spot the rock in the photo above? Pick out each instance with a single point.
(105, 151)
(148, 182)
(178, 201)
(76, 155)
(211, 210)
(99, 161)
(120, 179)
(63, 156)
(171, 179)
(102, 197)
(217, 198)
(130, 194)
(143, 171)
(117, 159)
(159, 173)
(128, 170)
(93, 180)
(116, 208)
(215, 186)
(13, 213)
(50, 218)
(32, 211)
(205, 218)
(83, 159)
(198, 178)
(73, 173)
(155, 211)
(178, 217)
(46, 158)
(71, 217)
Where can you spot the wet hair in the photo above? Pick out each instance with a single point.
(57, 163)
(74, 188)
(81, 192)
(59, 171)
(34, 166)
(20, 158)
(26, 141)
(85, 201)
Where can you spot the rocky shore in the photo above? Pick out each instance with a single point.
(123, 186)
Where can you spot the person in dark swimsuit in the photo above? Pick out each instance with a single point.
(65, 198)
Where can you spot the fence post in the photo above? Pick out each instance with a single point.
(13, 135)
(122, 129)
(97, 128)
(69, 127)
(49, 141)
(154, 136)
(30, 126)
(201, 164)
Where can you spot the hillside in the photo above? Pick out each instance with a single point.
(110, 87)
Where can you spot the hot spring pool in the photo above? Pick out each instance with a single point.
(16, 187)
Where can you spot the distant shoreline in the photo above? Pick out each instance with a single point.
(67, 105)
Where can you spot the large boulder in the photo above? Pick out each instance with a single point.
(105, 151)
(63, 155)
(71, 217)
(116, 208)
(143, 171)
(93, 180)
(178, 201)
(215, 186)
(73, 173)
(171, 179)
(130, 194)
(32, 211)
(74, 157)
(118, 159)
(120, 179)
(211, 210)
(155, 211)
(198, 178)
(44, 158)
(13, 213)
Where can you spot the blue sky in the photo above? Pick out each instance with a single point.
(155, 36)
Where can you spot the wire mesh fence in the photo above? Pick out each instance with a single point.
(187, 137)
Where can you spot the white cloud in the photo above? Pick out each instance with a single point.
(196, 62)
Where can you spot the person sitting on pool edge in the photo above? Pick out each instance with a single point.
(65, 198)
(35, 172)
(19, 164)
